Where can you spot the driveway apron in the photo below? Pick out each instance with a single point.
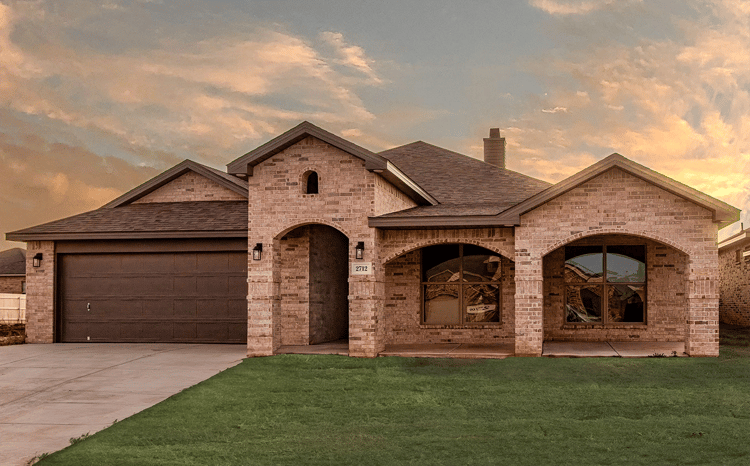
(52, 393)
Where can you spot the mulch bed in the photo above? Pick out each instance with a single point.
(12, 334)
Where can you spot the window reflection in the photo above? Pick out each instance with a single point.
(584, 264)
(441, 304)
(626, 264)
(583, 303)
(620, 274)
(476, 300)
(626, 303)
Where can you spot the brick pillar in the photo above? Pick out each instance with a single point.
(703, 317)
(367, 314)
(263, 333)
(40, 293)
(529, 304)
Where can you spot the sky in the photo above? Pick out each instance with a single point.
(97, 97)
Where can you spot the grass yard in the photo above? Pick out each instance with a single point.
(301, 410)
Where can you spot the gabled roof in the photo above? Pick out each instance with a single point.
(195, 219)
(13, 262)
(224, 179)
(373, 162)
(723, 213)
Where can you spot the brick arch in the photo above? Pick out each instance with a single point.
(639, 233)
(431, 242)
(310, 221)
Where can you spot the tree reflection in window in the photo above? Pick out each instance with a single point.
(605, 284)
(460, 284)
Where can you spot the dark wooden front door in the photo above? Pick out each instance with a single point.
(153, 297)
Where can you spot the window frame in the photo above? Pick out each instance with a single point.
(306, 182)
(461, 284)
(604, 286)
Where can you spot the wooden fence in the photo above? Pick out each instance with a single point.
(12, 308)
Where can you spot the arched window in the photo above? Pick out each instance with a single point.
(310, 182)
(461, 285)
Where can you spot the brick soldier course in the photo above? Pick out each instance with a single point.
(315, 201)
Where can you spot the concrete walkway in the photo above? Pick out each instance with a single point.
(623, 349)
(52, 393)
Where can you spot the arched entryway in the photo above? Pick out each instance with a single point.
(314, 286)
(615, 288)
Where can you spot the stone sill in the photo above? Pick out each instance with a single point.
(493, 325)
(604, 326)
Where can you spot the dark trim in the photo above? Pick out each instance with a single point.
(126, 235)
(442, 221)
(157, 245)
(293, 136)
(170, 175)
(12, 275)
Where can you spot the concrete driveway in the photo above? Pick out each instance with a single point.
(52, 393)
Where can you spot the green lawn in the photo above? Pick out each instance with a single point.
(301, 410)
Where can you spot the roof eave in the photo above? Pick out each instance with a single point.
(243, 165)
(408, 186)
(443, 221)
(733, 241)
(18, 236)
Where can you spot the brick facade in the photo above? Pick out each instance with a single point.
(40, 293)
(12, 284)
(190, 187)
(617, 203)
(346, 198)
(734, 279)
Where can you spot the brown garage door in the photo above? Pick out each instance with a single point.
(153, 297)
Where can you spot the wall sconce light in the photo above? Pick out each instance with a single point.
(359, 251)
(37, 260)
(258, 251)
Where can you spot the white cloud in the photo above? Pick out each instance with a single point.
(574, 7)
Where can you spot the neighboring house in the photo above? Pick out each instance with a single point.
(13, 271)
(311, 238)
(734, 279)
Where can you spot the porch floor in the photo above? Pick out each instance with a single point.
(552, 349)
(332, 347)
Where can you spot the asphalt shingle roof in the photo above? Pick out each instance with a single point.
(13, 262)
(203, 216)
(463, 185)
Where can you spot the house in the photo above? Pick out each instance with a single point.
(734, 279)
(13, 271)
(310, 238)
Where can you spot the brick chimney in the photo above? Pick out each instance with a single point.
(494, 148)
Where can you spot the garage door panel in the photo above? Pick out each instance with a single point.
(186, 286)
(212, 331)
(185, 308)
(186, 297)
(213, 262)
(186, 331)
(211, 307)
(158, 308)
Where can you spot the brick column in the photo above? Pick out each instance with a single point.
(263, 334)
(40, 293)
(529, 304)
(702, 337)
(366, 314)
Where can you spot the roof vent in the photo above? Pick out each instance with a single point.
(494, 148)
